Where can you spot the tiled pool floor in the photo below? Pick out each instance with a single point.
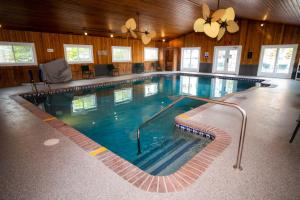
(30, 170)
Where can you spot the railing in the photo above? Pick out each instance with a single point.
(233, 105)
(153, 117)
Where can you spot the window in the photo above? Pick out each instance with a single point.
(121, 54)
(78, 53)
(123, 95)
(17, 54)
(150, 54)
(190, 59)
(277, 60)
(81, 104)
(151, 89)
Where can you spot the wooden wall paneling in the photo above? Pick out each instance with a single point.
(291, 35)
(251, 36)
(10, 76)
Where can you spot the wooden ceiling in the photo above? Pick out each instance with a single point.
(169, 18)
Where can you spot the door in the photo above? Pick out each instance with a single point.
(277, 60)
(190, 59)
(227, 59)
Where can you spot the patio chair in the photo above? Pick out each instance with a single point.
(85, 71)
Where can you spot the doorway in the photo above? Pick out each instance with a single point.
(190, 59)
(227, 59)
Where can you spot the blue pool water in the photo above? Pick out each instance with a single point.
(111, 115)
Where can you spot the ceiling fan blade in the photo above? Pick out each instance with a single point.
(217, 15)
(133, 34)
(146, 39)
(221, 33)
(130, 24)
(124, 29)
(152, 34)
(212, 29)
(232, 26)
(229, 15)
(205, 11)
(199, 25)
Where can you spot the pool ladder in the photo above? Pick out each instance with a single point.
(237, 164)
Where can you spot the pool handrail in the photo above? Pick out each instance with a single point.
(237, 165)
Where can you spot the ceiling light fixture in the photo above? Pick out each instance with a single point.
(111, 35)
(163, 40)
(216, 24)
(262, 24)
(0, 25)
(85, 33)
(130, 26)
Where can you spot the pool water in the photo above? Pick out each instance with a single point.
(111, 115)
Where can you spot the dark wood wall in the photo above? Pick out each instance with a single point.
(251, 36)
(15, 75)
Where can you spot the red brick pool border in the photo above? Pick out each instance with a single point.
(177, 181)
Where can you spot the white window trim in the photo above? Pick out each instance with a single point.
(199, 58)
(239, 48)
(21, 64)
(155, 48)
(121, 47)
(277, 75)
(79, 45)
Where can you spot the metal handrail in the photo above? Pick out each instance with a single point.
(233, 105)
(153, 117)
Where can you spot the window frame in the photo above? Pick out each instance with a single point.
(154, 48)
(78, 46)
(182, 68)
(31, 44)
(239, 49)
(121, 47)
(274, 74)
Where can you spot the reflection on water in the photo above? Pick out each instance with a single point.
(81, 104)
(188, 85)
(221, 87)
(151, 89)
(123, 95)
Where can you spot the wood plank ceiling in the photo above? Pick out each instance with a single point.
(169, 18)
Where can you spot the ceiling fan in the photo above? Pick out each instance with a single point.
(216, 24)
(130, 27)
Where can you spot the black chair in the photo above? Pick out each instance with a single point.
(85, 71)
(137, 68)
(296, 130)
(114, 71)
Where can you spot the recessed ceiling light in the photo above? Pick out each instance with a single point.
(0, 25)
(85, 33)
(262, 24)
(111, 35)
(164, 40)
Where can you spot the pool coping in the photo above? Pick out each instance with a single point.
(182, 178)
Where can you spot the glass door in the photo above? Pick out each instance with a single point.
(277, 60)
(227, 59)
(190, 59)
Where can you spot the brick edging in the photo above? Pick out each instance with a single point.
(175, 182)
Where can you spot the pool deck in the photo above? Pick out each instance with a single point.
(31, 170)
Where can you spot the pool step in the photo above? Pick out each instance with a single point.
(171, 158)
(150, 158)
(146, 156)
